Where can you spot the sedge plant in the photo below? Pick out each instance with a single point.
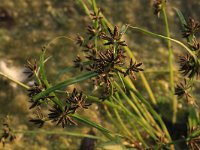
(109, 66)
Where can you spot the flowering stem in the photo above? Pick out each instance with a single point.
(166, 38)
(15, 81)
(173, 97)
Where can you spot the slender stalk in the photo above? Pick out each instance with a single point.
(59, 133)
(122, 108)
(87, 11)
(111, 118)
(173, 97)
(107, 103)
(135, 129)
(166, 38)
(122, 123)
(58, 38)
(155, 114)
(94, 5)
(15, 81)
(44, 78)
(95, 9)
(63, 84)
(140, 119)
(103, 130)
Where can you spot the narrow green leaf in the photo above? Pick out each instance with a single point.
(154, 113)
(99, 127)
(120, 77)
(42, 70)
(181, 17)
(183, 23)
(68, 133)
(193, 118)
(69, 69)
(66, 83)
(123, 29)
(105, 131)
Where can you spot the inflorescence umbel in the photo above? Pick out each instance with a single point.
(105, 57)
(158, 5)
(104, 62)
(189, 66)
(7, 134)
(61, 110)
(61, 115)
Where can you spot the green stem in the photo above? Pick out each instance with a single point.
(87, 11)
(44, 79)
(130, 121)
(63, 84)
(95, 9)
(105, 131)
(58, 38)
(122, 108)
(15, 81)
(120, 121)
(107, 103)
(154, 113)
(174, 100)
(111, 118)
(166, 38)
(140, 118)
(59, 133)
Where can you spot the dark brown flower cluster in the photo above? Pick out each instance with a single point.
(181, 90)
(133, 67)
(73, 101)
(194, 142)
(191, 28)
(106, 64)
(189, 66)
(39, 119)
(158, 4)
(62, 114)
(107, 61)
(96, 16)
(114, 38)
(76, 100)
(7, 135)
(36, 89)
(78, 63)
(31, 68)
(32, 71)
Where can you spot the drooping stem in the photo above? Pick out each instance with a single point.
(15, 81)
(166, 38)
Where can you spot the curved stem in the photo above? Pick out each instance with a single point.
(57, 38)
(166, 38)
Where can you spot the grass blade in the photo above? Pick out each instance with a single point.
(66, 83)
